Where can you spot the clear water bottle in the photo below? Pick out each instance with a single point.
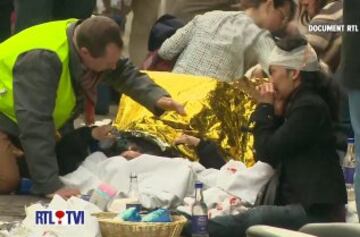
(199, 219)
(133, 194)
(349, 165)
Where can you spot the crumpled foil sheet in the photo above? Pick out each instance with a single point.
(216, 110)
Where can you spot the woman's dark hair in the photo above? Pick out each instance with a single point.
(141, 145)
(277, 4)
(326, 87)
(319, 81)
(291, 42)
(304, 16)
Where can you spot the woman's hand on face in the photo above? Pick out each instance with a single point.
(187, 140)
(267, 93)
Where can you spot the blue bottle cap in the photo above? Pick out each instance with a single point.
(199, 185)
(351, 140)
(25, 186)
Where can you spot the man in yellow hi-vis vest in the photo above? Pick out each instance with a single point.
(48, 75)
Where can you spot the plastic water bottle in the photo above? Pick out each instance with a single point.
(349, 165)
(199, 211)
(133, 194)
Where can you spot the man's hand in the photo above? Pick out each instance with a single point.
(187, 140)
(167, 103)
(102, 132)
(65, 193)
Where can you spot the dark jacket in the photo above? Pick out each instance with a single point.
(209, 155)
(350, 45)
(36, 77)
(304, 144)
(163, 29)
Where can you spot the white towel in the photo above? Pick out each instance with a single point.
(165, 182)
(238, 180)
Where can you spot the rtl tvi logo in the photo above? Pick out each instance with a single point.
(59, 217)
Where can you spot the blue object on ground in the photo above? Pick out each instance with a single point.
(159, 215)
(25, 186)
(131, 214)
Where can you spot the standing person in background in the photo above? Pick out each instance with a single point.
(326, 44)
(6, 7)
(34, 12)
(351, 79)
(145, 15)
(187, 9)
(328, 47)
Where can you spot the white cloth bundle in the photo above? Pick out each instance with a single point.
(165, 182)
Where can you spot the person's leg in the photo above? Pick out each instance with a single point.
(354, 105)
(290, 217)
(6, 7)
(29, 13)
(64, 9)
(103, 99)
(72, 149)
(343, 129)
(187, 9)
(9, 171)
(145, 15)
(169, 6)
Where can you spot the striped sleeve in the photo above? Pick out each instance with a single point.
(331, 14)
(319, 40)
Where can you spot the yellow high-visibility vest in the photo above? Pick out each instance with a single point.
(50, 36)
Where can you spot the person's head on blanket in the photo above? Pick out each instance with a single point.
(132, 144)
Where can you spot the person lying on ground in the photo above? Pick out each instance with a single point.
(49, 74)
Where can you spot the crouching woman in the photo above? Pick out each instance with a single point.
(302, 143)
(293, 132)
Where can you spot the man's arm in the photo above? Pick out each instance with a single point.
(127, 79)
(36, 78)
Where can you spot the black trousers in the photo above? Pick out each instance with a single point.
(34, 12)
(71, 150)
(6, 7)
(290, 217)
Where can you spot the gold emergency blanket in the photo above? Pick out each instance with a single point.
(215, 110)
